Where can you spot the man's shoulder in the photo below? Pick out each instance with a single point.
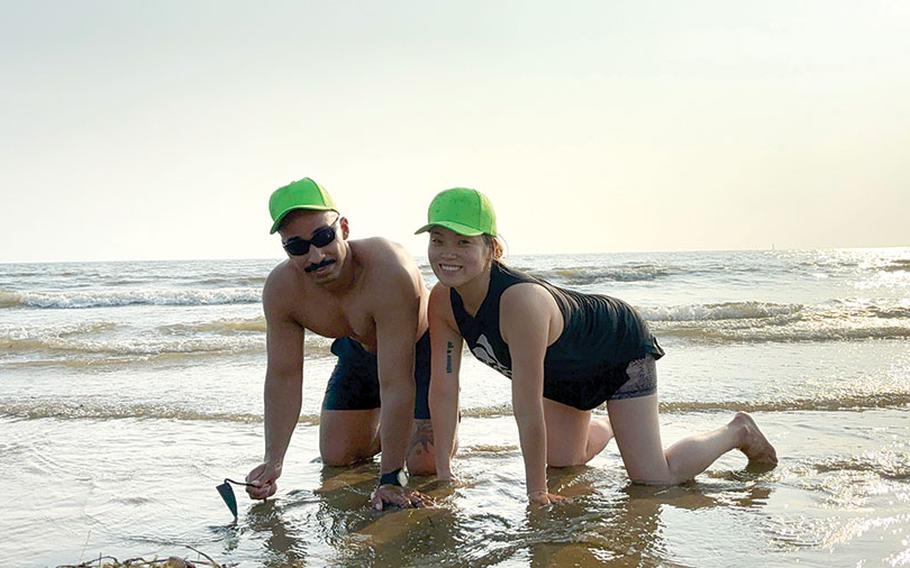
(383, 255)
(281, 285)
(391, 275)
(376, 245)
(280, 274)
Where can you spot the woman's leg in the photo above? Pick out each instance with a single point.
(574, 437)
(637, 430)
(420, 458)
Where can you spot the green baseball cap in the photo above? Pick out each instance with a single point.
(302, 194)
(465, 211)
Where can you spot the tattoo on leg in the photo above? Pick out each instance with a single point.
(449, 348)
(422, 440)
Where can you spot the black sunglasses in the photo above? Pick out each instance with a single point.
(295, 246)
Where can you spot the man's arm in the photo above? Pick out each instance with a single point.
(445, 364)
(283, 390)
(396, 316)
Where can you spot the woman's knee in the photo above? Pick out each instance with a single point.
(421, 458)
(564, 459)
(653, 479)
(423, 464)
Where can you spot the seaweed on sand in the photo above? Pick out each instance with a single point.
(170, 562)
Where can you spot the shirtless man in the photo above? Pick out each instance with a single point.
(368, 294)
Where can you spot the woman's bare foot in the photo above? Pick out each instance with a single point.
(753, 443)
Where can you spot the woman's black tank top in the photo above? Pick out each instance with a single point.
(586, 364)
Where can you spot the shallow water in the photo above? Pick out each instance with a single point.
(128, 391)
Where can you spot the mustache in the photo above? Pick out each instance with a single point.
(313, 267)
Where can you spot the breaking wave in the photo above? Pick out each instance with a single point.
(864, 401)
(723, 311)
(129, 348)
(109, 298)
(69, 411)
(761, 321)
(898, 265)
(10, 299)
(582, 276)
(221, 327)
(846, 402)
(32, 410)
(784, 335)
(75, 345)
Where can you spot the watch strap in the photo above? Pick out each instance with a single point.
(397, 477)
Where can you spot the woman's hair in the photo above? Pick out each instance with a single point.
(495, 245)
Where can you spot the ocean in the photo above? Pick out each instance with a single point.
(128, 390)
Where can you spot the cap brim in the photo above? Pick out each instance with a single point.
(452, 226)
(284, 214)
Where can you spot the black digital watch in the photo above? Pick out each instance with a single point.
(397, 477)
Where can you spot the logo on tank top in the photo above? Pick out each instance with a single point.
(484, 352)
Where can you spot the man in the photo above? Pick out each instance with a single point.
(369, 294)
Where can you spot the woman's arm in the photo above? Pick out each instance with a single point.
(445, 352)
(526, 323)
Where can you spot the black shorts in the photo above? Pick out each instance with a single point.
(631, 380)
(354, 384)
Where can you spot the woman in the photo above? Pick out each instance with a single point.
(566, 353)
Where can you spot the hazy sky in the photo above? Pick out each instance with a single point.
(158, 129)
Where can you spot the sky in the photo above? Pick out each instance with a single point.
(157, 130)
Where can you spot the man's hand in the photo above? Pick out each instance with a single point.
(402, 497)
(264, 479)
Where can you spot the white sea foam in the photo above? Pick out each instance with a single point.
(37, 410)
(115, 298)
(137, 346)
(837, 320)
(581, 276)
(221, 326)
(723, 311)
(88, 342)
(822, 402)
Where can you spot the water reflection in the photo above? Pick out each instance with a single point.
(622, 527)
(363, 537)
(282, 544)
(606, 521)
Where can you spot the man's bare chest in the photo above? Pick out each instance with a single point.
(348, 317)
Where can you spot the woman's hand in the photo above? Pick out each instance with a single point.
(397, 496)
(543, 498)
